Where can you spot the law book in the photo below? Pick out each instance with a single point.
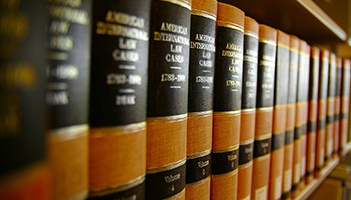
(118, 96)
(200, 99)
(297, 155)
(337, 103)
(248, 107)
(312, 112)
(329, 129)
(67, 97)
(322, 110)
(345, 101)
(279, 115)
(24, 171)
(227, 101)
(290, 118)
(264, 111)
(167, 99)
(302, 109)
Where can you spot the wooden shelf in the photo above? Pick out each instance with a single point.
(302, 18)
(311, 187)
(346, 149)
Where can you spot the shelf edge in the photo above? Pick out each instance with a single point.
(317, 12)
(311, 187)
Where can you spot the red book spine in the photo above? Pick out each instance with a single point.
(248, 108)
(312, 113)
(200, 99)
(290, 117)
(227, 101)
(264, 111)
(345, 100)
(279, 115)
(322, 110)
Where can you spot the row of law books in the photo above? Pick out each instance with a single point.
(162, 99)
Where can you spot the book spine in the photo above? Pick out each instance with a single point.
(345, 101)
(227, 101)
(303, 112)
(290, 117)
(312, 113)
(248, 108)
(322, 110)
(67, 97)
(24, 172)
(200, 99)
(167, 99)
(329, 135)
(296, 175)
(301, 119)
(119, 60)
(279, 115)
(337, 99)
(264, 111)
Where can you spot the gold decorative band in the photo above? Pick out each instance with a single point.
(231, 148)
(197, 155)
(268, 42)
(248, 33)
(232, 173)
(70, 132)
(126, 186)
(230, 25)
(205, 14)
(180, 3)
(167, 167)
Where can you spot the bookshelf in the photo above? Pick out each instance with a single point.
(319, 22)
(303, 18)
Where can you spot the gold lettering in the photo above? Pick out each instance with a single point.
(125, 19)
(173, 28)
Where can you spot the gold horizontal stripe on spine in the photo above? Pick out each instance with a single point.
(172, 117)
(201, 113)
(226, 174)
(301, 102)
(230, 25)
(200, 154)
(268, 42)
(113, 130)
(291, 105)
(289, 128)
(231, 148)
(247, 142)
(236, 112)
(283, 45)
(200, 182)
(294, 49)
(281, 106)
(167, 167)
(111, 190)
(263, 137)
(249, 110)
(304, 53)
(205, 14)
(70, 132)
(265, 109)
(180, 3)
(252, 34)
(246, 165)
(263, 157)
